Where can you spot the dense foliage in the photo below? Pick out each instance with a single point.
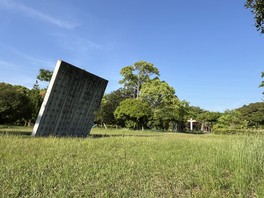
(254, 114)
(134, 113)
(144, 101)
(155, 105)
(109, 104)
(18, 104)
(15, 103)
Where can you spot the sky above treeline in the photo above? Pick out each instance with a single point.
(209, 50)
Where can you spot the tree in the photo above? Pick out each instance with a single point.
(262, 83)
(15, 104)
(109, 104)
(253, 113)
(44, 75)
(257, 9)
(163, 102)
(231, 119)
(134, 113)
(194, 112)
(157, 93)
(208, 119)
(137, 74)
(36, 100)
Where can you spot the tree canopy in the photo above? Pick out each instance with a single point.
(231, 119)
(134, 112)
(15, 104)
(109, 104)
(165, 105)
(253, 113)
(157, 93)
(135, 75)
(257, 9)
(44, 75)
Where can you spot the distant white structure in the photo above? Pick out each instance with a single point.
(191, 121)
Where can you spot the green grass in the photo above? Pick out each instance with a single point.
(123, 163)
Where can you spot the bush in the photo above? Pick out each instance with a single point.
(238, 131)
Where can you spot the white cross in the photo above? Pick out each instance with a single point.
(191, 123)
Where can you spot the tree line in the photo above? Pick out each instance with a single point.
(20, 105)
(143, 102)
(146, 101)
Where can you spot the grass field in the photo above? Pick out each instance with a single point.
(123, 163)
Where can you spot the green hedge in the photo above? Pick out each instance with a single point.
(239, 131)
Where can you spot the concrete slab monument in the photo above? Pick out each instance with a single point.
(72, 97)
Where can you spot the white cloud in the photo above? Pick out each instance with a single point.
(22, 69)
(4, 64)
(23, 58)
(80, 50)
(36, 14)
(77, 43)
(86, 45)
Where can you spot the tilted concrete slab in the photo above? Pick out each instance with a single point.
(69, 106)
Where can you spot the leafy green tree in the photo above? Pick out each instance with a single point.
(208, 119)
(135, 75)
(134, 113)
(44, 75)
(253, 113)
(157, 93)
(167, 110)
(231, 119)
(257, 9)
(36, 100)
(194, 112)
(109, 104)
(15, 104)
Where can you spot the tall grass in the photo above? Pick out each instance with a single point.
(132, 164)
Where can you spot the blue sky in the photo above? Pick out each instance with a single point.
(209, 50)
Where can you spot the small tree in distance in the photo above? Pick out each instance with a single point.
(44, 75)
(262, 83)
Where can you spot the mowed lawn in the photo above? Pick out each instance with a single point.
(123, 163)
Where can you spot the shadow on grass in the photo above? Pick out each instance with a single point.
(19, 133)
(194, 132)
(94, 136)
(119, 135)
(28, 133)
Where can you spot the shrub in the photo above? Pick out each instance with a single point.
(238, 131)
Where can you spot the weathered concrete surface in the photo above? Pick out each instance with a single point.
(71, 100)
